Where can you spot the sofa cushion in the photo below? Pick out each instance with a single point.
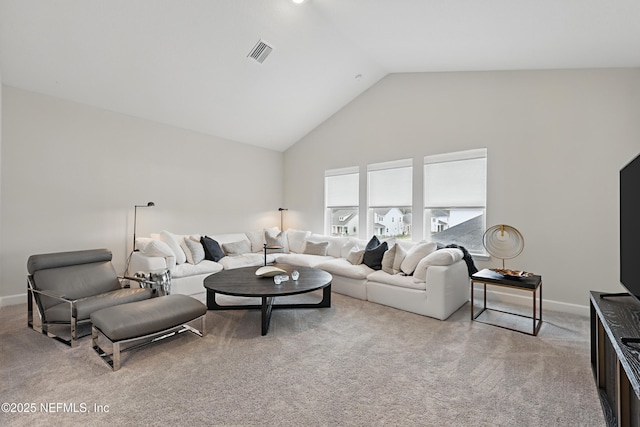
(446, 256)
(194, 250)
(204, 267)
(348, 246)
(244, 260)
(173, 241)
(276, 239)
(335, 243)
(230, 238)
(373, 257)
(237, 248)
(398, 280)
(301, 260)
(212, 249)
(342, 267)
(320, 248)
(415, 254)
(297, 239)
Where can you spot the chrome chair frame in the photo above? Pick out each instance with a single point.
(43, 328)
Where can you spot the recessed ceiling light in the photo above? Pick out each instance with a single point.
(298, 1)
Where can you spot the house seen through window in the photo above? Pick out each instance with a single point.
(390, 194)
(341, 201)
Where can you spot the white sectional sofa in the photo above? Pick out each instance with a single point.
(438, 283)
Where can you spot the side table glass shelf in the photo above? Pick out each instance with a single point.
(531, 284)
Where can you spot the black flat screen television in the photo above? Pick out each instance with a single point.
(630, 227)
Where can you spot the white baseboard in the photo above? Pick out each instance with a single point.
(525, 301)
(13, 300)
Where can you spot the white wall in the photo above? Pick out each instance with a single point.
(71, 174)
(556, 141)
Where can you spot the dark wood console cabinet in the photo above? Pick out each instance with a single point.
(616, 365)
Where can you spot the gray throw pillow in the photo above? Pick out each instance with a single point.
(320, 248)
(237, 248)
(195, 250)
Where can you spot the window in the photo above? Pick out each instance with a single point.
(390, 195)
(341, 188)
(455, 198)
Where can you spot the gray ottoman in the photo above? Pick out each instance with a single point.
(154, 319)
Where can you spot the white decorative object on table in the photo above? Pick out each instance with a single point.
(269, 271)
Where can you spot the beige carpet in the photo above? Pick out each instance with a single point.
(356, 363)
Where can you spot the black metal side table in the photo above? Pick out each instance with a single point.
(531, 284)
(270, 248)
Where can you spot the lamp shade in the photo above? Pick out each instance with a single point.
(503, 241)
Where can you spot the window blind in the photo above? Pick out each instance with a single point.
(390, 183)
(456, 180)
(341, 187)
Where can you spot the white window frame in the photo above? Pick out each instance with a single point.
(346, 202)
(401, 197)
(479, 204)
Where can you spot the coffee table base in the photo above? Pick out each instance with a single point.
(268, 305)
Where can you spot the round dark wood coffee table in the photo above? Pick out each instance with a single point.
(243, 282)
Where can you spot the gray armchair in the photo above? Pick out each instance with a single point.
(67, 287)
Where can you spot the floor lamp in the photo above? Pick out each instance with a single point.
(135, 220)
(282, 217)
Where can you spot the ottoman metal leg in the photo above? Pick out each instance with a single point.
(113, 359)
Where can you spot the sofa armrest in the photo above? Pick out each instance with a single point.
(141, 262)
(448, 286)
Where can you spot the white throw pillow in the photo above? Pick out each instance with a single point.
(356, 256)
(415, 254)
(297, 240)
(387, 260)
(401, 253)
(276, 239)
(194, 252)
(257, 240)
(173, 242)
(160, 249)
(446, 256)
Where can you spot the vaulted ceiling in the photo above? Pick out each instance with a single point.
(185, 62)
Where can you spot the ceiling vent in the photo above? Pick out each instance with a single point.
(260, 51)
